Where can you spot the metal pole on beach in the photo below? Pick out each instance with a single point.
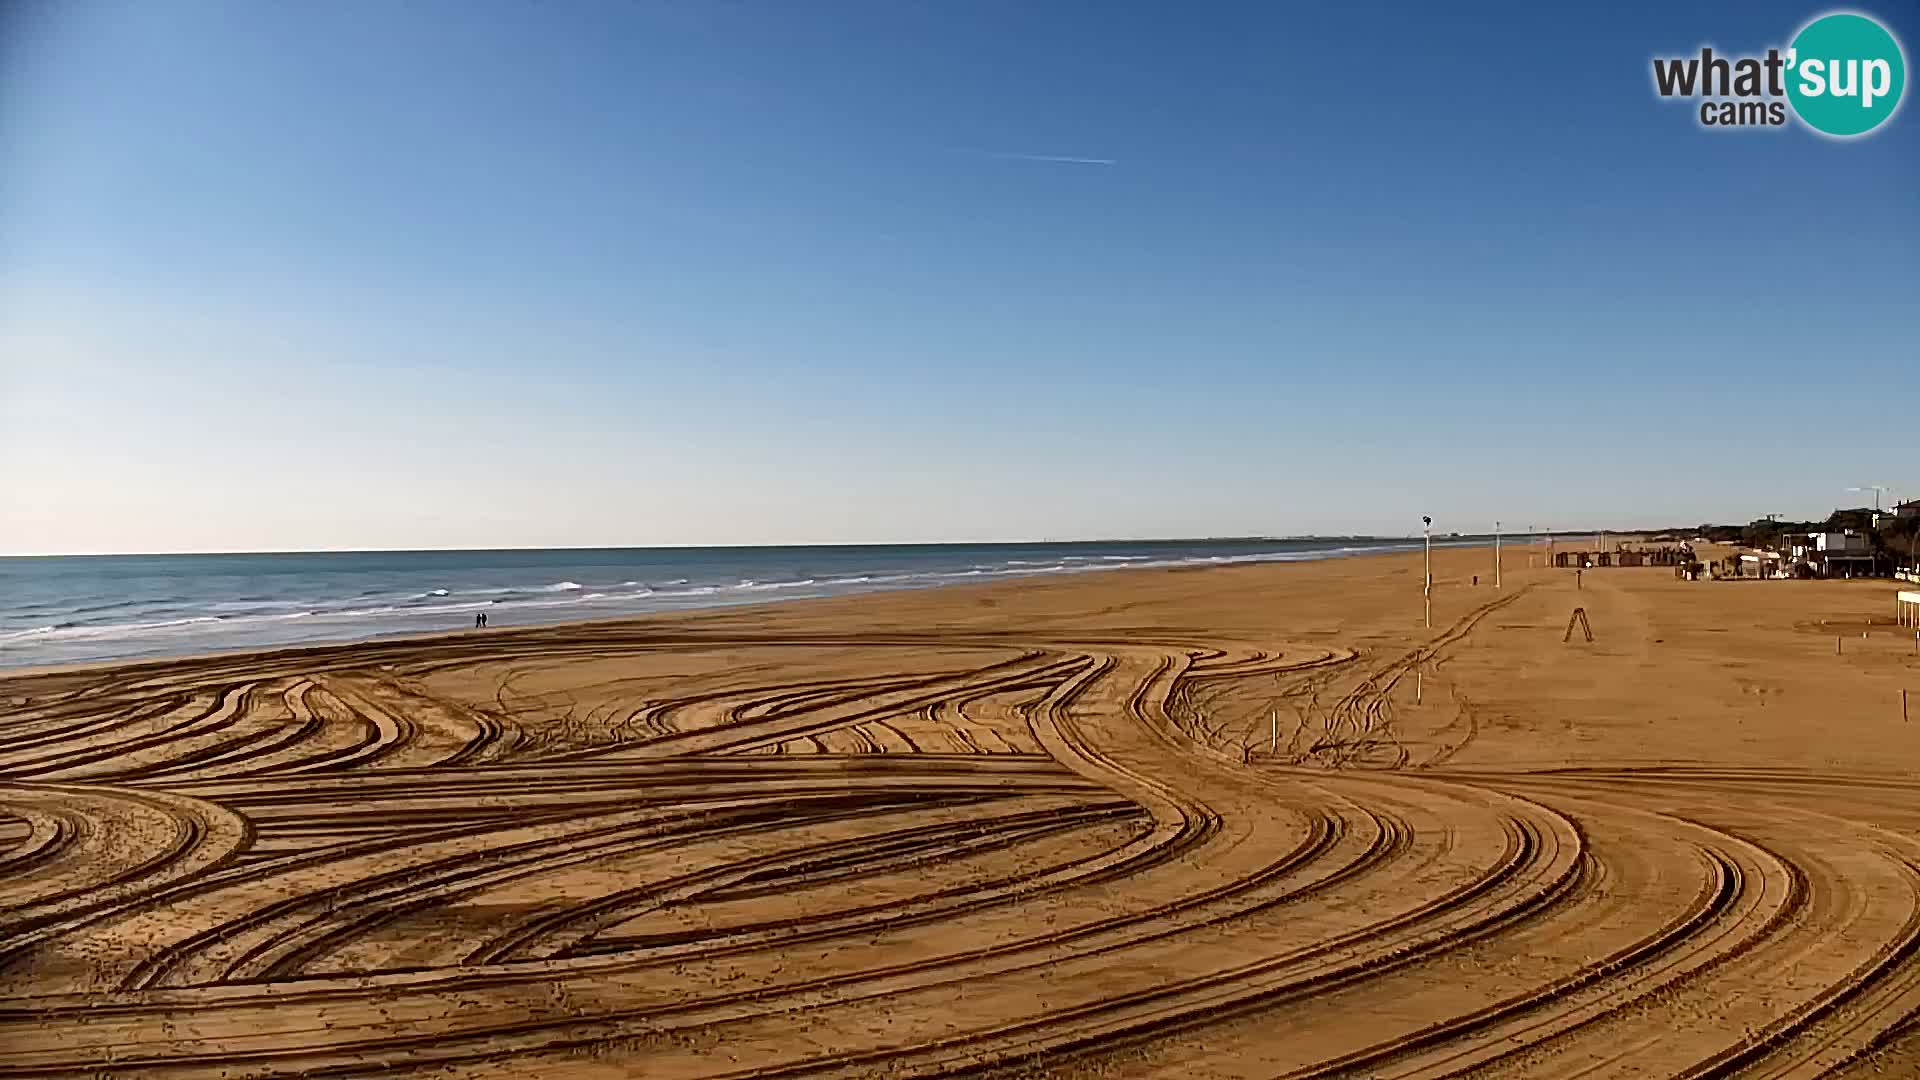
(1426, 528)
(1496, 554)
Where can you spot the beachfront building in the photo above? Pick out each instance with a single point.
(1832, 554)
(1908, 509)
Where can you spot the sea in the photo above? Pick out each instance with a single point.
(73, 608)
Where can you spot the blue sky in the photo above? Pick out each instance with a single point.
(533, 272)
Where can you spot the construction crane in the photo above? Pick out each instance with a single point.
(1779, 537)
(1877, 489)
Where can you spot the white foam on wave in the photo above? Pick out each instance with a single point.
(255, 605)
(1035, 568)
(563, 586)
(360, 613)
(638, 594)
(110, 630)
(437, 609)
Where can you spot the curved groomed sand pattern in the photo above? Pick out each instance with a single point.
(1101, 827)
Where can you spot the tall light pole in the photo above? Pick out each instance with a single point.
(1496, 554)
(1426, 528)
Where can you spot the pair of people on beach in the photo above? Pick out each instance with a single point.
(480, 621)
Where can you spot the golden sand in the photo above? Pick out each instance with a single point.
(1240, 822)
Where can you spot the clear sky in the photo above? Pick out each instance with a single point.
(545, 272)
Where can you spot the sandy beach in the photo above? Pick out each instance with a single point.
(1250, 821)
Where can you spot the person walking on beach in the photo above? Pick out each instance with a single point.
(480, 621)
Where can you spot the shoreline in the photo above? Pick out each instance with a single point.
(242, 651)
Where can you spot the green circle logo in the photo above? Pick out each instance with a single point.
(1845, 74)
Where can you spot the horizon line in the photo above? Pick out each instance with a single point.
(1224, 538)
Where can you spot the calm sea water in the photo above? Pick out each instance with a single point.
(62, 609)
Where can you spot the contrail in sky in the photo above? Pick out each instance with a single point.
(1056, 159)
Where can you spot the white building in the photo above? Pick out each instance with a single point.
(1842, 543)
(1834, 554)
